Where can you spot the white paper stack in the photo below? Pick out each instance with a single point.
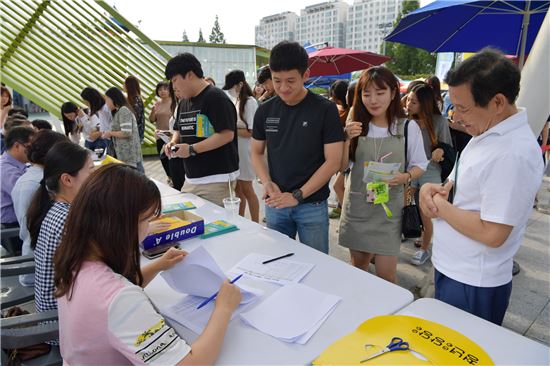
(199, 276)
(281, 272)
(293, 313)
(186, 313)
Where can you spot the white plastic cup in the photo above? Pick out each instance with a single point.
(231, 205)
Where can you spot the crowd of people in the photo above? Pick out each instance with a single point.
(215, 140)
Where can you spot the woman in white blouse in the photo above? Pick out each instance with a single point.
(370, 224)
(99, 118)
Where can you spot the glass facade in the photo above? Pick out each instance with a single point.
(218, 61)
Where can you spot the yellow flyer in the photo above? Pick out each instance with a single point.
(429, 343)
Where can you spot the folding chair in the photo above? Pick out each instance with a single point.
(10, 240)
(28, 330)
(12, 292)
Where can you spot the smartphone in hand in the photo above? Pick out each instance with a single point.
(159, 250)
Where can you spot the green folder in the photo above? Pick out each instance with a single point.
(180, 206)
(218, 227)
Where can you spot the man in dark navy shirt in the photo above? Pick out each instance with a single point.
(304, 139)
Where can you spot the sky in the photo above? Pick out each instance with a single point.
(165, 20)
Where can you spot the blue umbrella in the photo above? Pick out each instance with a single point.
(326, 81)
(468, 26)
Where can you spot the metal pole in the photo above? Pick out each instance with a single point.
(524, 29)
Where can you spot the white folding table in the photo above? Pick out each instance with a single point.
(502, 345)
(363, 295)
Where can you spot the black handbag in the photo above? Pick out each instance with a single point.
(449, 158)
(411, 223)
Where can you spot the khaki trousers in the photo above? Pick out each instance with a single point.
(213, 192)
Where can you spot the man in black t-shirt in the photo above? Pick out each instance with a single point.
(204, 131)
(304, 139)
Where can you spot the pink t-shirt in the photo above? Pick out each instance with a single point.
(110, 321)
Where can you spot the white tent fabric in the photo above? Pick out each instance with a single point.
(535, 80)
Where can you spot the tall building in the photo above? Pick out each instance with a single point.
(369, 21)
(276, 28)
(324, 22)
(361, 26)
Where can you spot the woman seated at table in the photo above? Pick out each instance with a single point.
(66, 166)
(105, 317)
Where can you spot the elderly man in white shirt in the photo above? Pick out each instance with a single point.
(495, 183)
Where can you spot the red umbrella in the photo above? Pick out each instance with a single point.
(336, 61)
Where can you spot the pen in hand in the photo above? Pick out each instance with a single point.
(275, 259)
(206, 301)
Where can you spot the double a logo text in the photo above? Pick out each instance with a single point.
(173, 236)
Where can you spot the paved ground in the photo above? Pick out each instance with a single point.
(529, 310)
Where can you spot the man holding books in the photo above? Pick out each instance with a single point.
(204, 131)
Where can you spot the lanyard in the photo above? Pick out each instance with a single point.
(378, 149)
(455, 182)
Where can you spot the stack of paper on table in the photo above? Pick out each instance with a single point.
(281, 272)
(199, 276)
(293, 313)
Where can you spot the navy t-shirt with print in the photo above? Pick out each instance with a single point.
(295, 138)
(211, 106)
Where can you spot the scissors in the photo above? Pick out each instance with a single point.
(396, 344)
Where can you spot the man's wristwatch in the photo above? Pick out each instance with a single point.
(298, 195)
(192, 151)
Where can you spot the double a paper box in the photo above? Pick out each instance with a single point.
(183, 225)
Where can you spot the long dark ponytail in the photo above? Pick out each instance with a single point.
(428, 108)
(244, 94)
(63, 157)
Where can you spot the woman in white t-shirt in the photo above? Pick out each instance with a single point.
(376, 133)
(99, 118)
(105, 317)
(241, 95)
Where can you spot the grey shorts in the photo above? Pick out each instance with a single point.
(431, 175)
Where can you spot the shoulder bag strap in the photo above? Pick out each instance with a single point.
(408, 198)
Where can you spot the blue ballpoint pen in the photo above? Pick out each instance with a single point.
(216, 294)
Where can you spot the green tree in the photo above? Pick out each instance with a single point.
(407, 60)
(216, 36)
(201, 38)
(184, 37)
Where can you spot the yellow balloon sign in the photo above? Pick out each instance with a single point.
(110, 160)
(430, 344)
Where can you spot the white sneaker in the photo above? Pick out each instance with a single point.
(420, 257)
